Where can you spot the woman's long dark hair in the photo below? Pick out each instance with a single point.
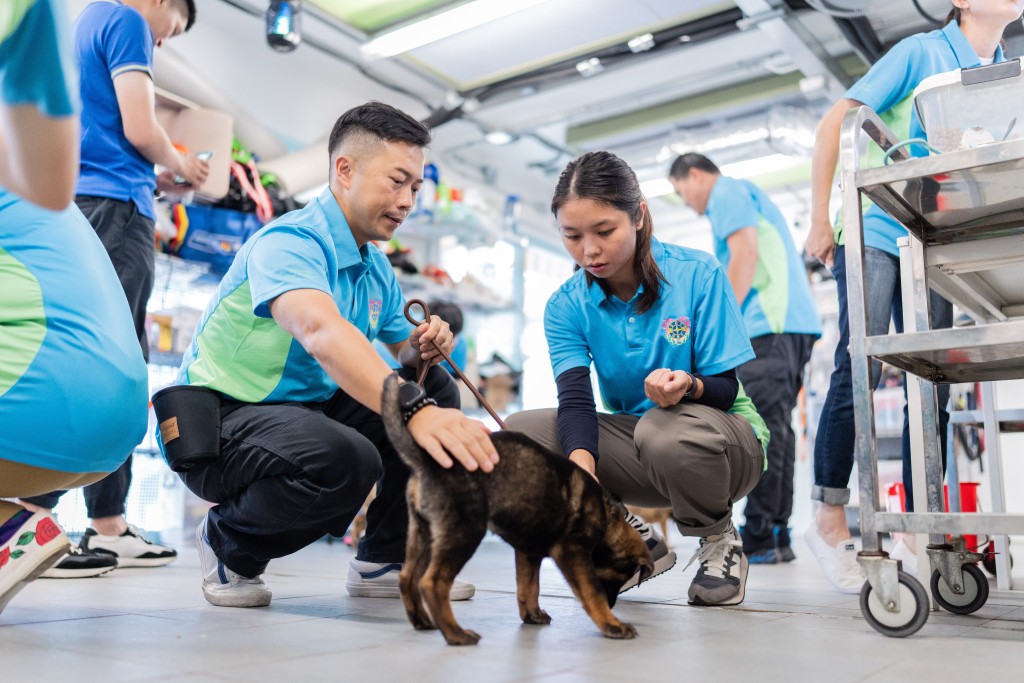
(605, 178)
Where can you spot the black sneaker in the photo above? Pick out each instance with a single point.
(759, 548)
(722, 577)
(80, 563)
(130, 549)
(664, 559)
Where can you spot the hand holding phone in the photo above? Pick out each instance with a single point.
(204, 155)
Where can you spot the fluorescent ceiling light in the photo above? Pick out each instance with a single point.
(760, 165)
(641, 43)
(656, 187)
(590, 67)
(442, 25)
(498, 137)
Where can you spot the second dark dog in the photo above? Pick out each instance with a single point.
(540, 504)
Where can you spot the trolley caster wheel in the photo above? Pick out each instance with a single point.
(973, 598)
(989, 563)
(913, 612)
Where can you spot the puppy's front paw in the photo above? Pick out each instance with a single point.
(466, 637)
(619, 631)
(537, 617)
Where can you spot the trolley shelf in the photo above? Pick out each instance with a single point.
(943, 198)
(1010, 421)
(941, 522)
(968, 354)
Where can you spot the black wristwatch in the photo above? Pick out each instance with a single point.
(690, 393)
(412, 399)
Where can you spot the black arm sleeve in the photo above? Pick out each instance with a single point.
(719, 390)
(577, 415)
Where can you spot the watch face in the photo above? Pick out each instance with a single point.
(409, 393)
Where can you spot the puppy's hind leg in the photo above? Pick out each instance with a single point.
(449, 552)
(417, 556)
(578, 569)
(528, 589)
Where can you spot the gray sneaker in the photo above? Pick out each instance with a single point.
(722, 577)
(664, 559)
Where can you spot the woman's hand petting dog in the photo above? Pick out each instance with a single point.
(446, 433)
(436, 331)
(666, 387)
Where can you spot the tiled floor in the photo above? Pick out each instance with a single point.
(154, 625)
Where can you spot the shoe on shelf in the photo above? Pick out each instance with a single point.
(130, 549)
(783, 544)
(80, 564)
(223, 587)
(30, 543)
(664, 559)
(901, 551)
(376, 580)
(838, 562)
(722, 577)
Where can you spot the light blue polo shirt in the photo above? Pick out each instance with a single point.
(694, 326)
(888, 88)
(780, 298)
(240, 351)
(111, 39)
(73, 384)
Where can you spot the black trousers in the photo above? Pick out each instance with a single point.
(290, 473)
(128, 237)
(773, 381)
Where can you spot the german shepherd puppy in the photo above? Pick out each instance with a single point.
(540, 504)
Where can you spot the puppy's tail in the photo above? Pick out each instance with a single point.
(391, 412)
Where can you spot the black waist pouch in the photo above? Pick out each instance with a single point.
(189, 419)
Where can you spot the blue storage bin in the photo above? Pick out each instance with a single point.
(215, 235)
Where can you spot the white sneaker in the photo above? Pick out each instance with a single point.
(223, 587)
(374, 580)
(838, 562)
(130, 549)
(901, 551)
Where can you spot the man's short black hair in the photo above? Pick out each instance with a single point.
(684, 162)
(379, 122)
(190, 12)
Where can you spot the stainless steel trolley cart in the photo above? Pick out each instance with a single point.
(972, 197)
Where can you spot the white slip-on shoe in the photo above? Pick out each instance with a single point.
(838, 562)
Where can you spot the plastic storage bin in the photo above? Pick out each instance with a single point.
(968, 108)
(215, 235)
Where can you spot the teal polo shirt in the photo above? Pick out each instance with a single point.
(694, 326)
(888, 88)
(240, 351)
(72, 378)
(780, 298)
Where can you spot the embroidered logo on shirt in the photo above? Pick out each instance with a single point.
(677, 330)
(374, 312)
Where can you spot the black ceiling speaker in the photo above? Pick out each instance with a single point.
(283, 25)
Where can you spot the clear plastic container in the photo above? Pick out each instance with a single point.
(967, 108)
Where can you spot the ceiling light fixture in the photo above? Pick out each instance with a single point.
(641, 43)
(282, 24)
(442, 25)
(498, 138)
(590, 67)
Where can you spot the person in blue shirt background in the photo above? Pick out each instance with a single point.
(769, 279)
(662, 329)
(72, 378)
(971, 37)
(121, 140)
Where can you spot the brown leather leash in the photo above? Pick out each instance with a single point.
(424, 364)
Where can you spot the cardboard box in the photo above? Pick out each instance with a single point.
(200, 129)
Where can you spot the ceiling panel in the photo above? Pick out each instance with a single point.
(370, 16)
(547, 33)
